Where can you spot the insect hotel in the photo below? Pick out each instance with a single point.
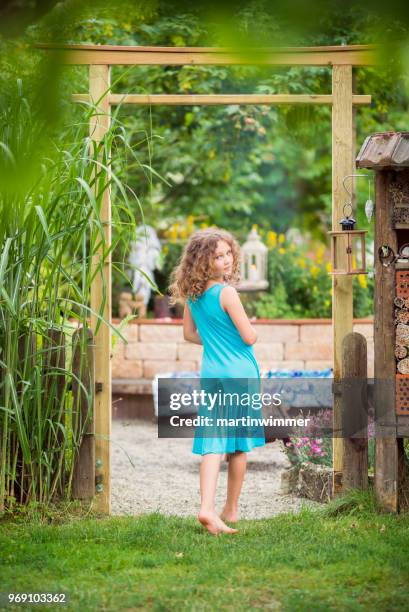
(388, 155)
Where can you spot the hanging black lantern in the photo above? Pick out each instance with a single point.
(348, 241)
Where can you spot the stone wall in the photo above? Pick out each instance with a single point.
(156, 346)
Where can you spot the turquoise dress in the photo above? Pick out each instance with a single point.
(228, 365)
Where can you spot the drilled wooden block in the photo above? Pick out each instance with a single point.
(399, 191)
(400, 216)
(402, 394)
(402, 283)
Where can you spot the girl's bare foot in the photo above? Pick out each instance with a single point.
(225, 528)
(231, 516)
(213, 523)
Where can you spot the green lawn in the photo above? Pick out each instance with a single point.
(339, 558)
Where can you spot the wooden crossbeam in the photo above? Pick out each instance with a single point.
(215, 99)
(351, 55)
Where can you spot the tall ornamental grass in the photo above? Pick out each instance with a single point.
(50, 227)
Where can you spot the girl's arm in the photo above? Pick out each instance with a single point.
(231, 303)
(190, 332)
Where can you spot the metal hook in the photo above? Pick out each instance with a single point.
(354, 176)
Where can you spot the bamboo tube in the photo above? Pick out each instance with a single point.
(401, 351)
(402, 333)
(403, 316)
(403, 366)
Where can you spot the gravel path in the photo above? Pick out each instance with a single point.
(164, 476)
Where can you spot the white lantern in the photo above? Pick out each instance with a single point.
(253, 263)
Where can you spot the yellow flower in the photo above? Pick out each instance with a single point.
(281, 238)
(203, 225)
(183, 232)
(320, 253)
(362, 280)
(314, 271)
(254, 226)
(301, 262)
(281, 251)
(328, 266)
(271, 239)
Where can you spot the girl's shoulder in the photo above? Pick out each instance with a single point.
(229, 289)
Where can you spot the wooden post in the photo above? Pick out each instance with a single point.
(386, 447)
(99, 82)
(83, 482)
(342, 165)
(354, 403)
(54, 387)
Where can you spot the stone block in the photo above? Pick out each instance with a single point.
(127, 368)
(316, 333)
(151, 350)
(188, 351)
(118, 352)
(130, 332)
(265, 351)
(276, 333)
(366, 329)
(161, 332)
(311, 350)
(151, 368)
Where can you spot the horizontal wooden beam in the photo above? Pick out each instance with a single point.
(154, 49)
(214, 99)
(354, 55)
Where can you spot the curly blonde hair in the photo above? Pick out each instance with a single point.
(195, 268)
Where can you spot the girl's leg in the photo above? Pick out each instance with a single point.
(209, 474)
(235, 478)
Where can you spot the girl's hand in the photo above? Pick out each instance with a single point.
(231, 303)
(190, 332)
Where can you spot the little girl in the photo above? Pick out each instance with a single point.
(214, 317)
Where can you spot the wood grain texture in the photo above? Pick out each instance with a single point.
(354, 55)
(343, 150)
(99, 82)
(354, 404)
(220, 99)
(386, 453)
(83, 368)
